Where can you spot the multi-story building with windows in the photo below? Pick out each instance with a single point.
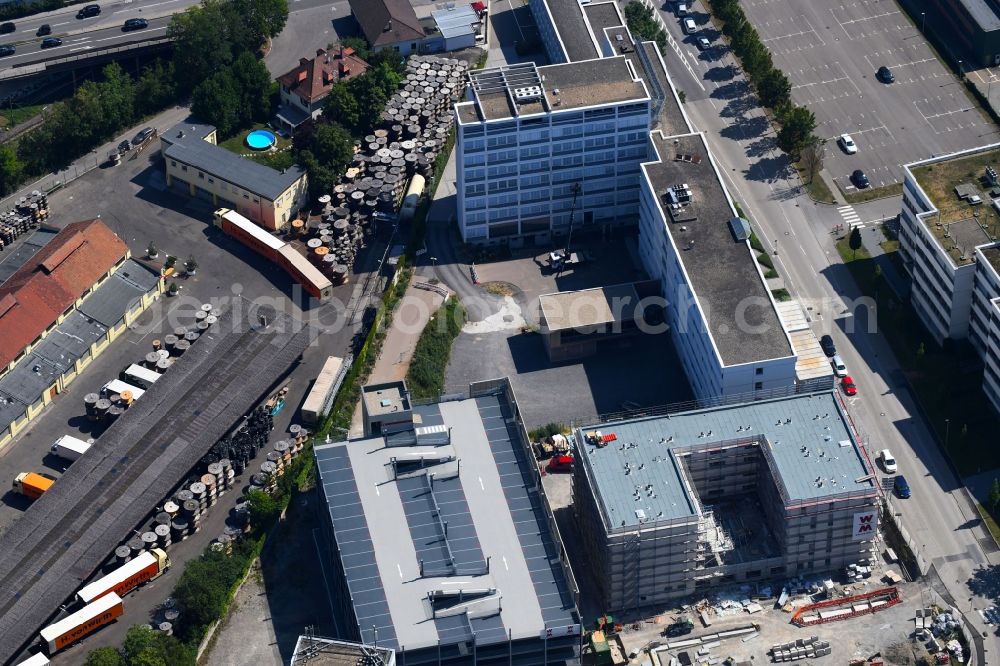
(948, 235)
(723, 319)
(541, 146)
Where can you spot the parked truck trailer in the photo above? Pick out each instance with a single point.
(90, 618)
(31, 485)
(141, 569)
(70, 447)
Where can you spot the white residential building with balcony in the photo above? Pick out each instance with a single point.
(948, 242)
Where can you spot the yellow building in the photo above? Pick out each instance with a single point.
(61, 310)
(198, 167)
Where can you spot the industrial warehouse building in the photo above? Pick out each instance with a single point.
(98, 502)
(948, 239)
(973, 26)
(441, 541)
(59, 310)
(672, 506)
(195, 165)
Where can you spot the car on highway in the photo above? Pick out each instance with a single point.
(859, 179)
(50, 42)
(7, 27)
(847, 143)
(143, 134)
(839, 368)
(703, 42)
(689, 26)
(7, 50)
(884, 74)
(89, 11)
(43, 29)
(826, 342)
(135, 24)
(850, 388)
(901, 487)
(888, 462)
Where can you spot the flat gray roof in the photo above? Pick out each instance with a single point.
(386, 398)
(587, 307)
(647, 445)
(64, 536)
(185, 143)
(671, 118)
(723, 271)
(451, 510)
(20, 255)
(120, 293)
(591, 83)
(572, 29)
(983, 13)
(601, 15)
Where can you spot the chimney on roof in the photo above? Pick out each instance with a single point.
(320, 52)
(303, 61)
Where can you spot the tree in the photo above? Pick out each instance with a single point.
(854, 240)
(105, 656)
(333, 146)
(155, 88)
(321, 178)
(142, 647)
(217, 101)
(995, 496)
(797, 126)
(256, 88)
(812, 159)
(263, 18)
(116, 93)
(371, 97)
(11, 170)
(264, 509)
(191, 266)
(342, 106)
(359, 45)
(774, 88)
(203, 42)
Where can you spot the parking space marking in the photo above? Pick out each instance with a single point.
(801, 33)
(859, 35)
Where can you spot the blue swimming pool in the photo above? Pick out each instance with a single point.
(261, 139)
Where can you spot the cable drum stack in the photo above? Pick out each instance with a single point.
(28, 213)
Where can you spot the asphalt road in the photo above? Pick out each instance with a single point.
(937, 516)
(105, 31)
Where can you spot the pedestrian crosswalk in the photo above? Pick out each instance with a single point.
(851, 218)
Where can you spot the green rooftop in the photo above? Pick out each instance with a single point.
(961, 226)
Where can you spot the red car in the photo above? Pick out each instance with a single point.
(560, 464)
(848, 385)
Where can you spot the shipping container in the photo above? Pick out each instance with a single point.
(140, 569)
(117, 386)
(31, 484)
(139, 376)
(320, 397)
(91, 617)
(70, 447)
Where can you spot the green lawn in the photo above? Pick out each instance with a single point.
(278, 158)
(817, 189)
(11, 117)
(872, 193)
(946, 381)
(425, 377)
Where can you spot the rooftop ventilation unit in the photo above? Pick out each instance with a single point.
(527, 94)
(679, 194)
(991, 176)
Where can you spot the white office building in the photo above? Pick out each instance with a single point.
(723, 319)
(949, 227)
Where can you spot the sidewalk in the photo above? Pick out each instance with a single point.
(408, 321)
(872, 239)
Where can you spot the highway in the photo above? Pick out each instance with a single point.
(947, 532)
(105, 31)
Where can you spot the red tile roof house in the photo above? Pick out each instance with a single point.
(304, 88)
(46, 289)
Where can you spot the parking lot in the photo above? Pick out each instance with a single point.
(831, 52)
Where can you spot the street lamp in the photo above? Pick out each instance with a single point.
(947, 432)
(434, 261)
(923, 21)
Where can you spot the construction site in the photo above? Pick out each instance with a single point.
(676, 506)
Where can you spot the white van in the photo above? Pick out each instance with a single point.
(888, 462)
(839, 368)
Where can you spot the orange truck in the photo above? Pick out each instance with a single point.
(90, 618)
(31, 484)
(141, 569)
